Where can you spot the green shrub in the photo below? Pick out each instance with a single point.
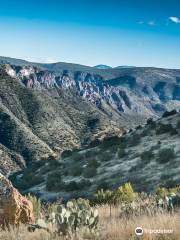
(139, 127)
(84, 183)
(109, 142)
(144, 132)
(164, 128)
(161, 192)
(105, 156)
(103, 185)
(147, 155)
(66, 153)
(28, 180)
(151, 123)
(90, 172)
(36, 202)
(124, 194)
(178, 124)
(93, 163)
(102, 197)
(72, 186)
(76, 170)
(121, 152)
(134, 140)
(166, 155)
(54, 182)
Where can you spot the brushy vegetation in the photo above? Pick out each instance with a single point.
(165, 128)
(147, 155)
(113, 215)
(166, 155)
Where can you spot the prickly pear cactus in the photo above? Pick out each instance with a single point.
(74, 215)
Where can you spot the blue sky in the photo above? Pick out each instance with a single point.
(91, 32)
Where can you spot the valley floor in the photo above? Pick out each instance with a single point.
(114, 227)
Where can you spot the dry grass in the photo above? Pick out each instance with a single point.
(116, 228)
(111, 228)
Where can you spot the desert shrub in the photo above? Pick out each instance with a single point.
(92, 123)
(102, 197)
(161, 192)
(147, 155)
(178, 124)
(28, 179)
(95, 143)
(151, 123)
(91, 153)
(90, 172)
(36, 202)
(130, 130)
(134, 140)
(84, 183)
(144, 133)
(76, 157)
(105, 156)
(93, 163)
(123, 142)
(66, 153)
(175, 189)
(138, 127)
(121, 152)
(49, 166)
(76, 170)
(54, 182)
(164, 128)
(72, 186)
(170, 183)
(103, 185)
(155, 147)
(109, 142)
(124, 194)
(75, 186)
(173, 131)
(166, 155)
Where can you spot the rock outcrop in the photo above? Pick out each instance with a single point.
(14, 208)
(146, 92)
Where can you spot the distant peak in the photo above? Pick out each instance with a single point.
(101, 66)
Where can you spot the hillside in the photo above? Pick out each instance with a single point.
(49, 109)
(40, 124)
(148, 157)
(122, 93)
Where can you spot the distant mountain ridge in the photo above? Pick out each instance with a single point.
(101, 66)
(131, 91)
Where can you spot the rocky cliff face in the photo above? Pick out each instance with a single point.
(145, 92)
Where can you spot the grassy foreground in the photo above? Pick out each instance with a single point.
(114, 227)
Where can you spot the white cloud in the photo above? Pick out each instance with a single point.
(151, 23)
(39, 60)
(140, 22)
(174, 19)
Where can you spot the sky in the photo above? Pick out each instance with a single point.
(91, 32)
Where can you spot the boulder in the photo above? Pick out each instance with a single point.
(14, 208)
